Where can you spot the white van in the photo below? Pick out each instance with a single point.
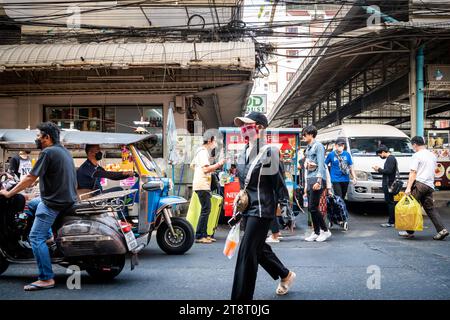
(362, 142)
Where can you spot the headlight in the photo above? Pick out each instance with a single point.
(363, 175)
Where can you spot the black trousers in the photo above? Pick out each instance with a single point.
(389, 198)
(205, 200)
(340, 189)
(254, 251)
(276, 225)
(424, 194)
(316, 216)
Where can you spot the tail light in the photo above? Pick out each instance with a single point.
(125, 226)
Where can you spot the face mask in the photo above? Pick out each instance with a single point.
(99, 156)
(249, 132)
(340, 149)
(38, 143)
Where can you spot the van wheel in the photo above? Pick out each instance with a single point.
(106, 268)
(179, 243)
(4, 264)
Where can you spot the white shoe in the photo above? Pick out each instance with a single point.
(405, 234)
(312, 237)
(324, 235)
(272, 240)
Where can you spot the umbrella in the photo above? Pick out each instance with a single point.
(173, 157)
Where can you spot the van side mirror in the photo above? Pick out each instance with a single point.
(153, 185)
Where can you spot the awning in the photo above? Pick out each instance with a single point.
(227, 55)
(220, 73)
(25, 138)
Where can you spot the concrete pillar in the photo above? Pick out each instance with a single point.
(412, 92)
(420, 65)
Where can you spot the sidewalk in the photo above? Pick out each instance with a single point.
(441, 199)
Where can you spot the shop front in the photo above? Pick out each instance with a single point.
(126, 87)
(438, 143)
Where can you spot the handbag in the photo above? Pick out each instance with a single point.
(342, 165)
(241, 202)
(397, 185)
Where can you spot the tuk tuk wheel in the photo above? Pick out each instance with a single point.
(106, 268)
(179, 243)
(4, 264)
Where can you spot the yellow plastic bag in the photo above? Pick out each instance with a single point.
(399, 196)
(408, 214)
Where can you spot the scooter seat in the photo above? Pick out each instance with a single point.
(84, 208)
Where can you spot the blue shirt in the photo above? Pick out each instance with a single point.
(335, 172)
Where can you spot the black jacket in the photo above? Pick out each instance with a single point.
(267, 186)
(14, 164)
(389, 171)
(88, 176)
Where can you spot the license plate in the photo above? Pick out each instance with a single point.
(131, 240)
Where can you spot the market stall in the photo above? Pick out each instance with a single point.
(438, 143)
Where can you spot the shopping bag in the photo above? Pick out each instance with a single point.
(408, 214)
(323, 203)
(232, 241)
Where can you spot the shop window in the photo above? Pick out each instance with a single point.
(122, 119)
(79, 118)
(292, 53)
(273, 67)
(291, 31)
(273, 87)
(289, 75)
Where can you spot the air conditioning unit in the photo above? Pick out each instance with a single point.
(180, 103)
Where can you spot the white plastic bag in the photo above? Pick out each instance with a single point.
(232, 241)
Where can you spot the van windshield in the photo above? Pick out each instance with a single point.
(367, 146)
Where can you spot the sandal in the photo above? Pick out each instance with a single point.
(36, 287)
(284, 286)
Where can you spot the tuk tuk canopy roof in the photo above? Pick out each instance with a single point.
(13, 138)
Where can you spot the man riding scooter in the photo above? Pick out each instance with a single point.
(57, 183)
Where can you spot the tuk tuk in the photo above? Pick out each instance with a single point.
(142, 207)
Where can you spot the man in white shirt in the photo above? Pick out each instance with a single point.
(421, 186)
(202, 185)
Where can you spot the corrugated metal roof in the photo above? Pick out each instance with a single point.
(239, 55)
(70, 138)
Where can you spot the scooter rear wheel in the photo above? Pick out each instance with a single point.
(4, 264)
(179, 243)
(106, 268)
